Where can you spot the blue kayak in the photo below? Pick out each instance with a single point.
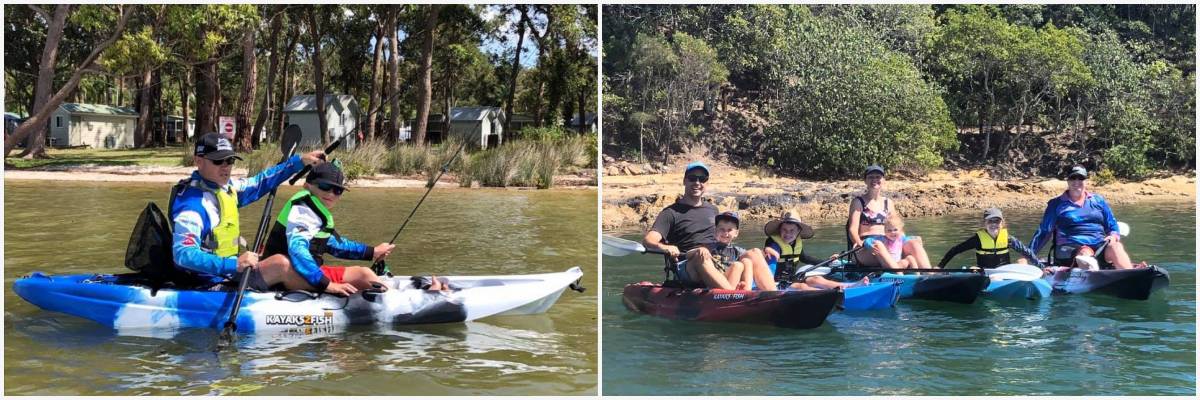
(1008, 289)
(953, 287)
(875, 296)
(125, 303)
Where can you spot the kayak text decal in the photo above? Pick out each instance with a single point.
(729, 296)
(300, 320)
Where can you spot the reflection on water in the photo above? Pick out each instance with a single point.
(457, 232)
(1064, 345)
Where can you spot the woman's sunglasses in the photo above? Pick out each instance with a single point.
(697, 178)
(337, 191)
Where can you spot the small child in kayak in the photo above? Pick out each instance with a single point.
(726, 256)
(889, 250)
(785, 240)
(992, 244)
(305, 232)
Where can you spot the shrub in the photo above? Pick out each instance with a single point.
(368, 158)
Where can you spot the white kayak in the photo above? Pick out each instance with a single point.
(115, 301)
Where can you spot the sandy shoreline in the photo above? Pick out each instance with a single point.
(633, 201)
(142, 174)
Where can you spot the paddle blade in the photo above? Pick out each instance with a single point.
(617, 247)
(1013, 276)
(290, 140)
(1122, 228)
(1023, 269)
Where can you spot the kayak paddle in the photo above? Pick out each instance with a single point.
(820, 268)
(289, 141)
(1020, 272)
(617, 247)
(380, 267)
(1122, 230)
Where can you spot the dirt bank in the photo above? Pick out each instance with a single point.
(174, 174)
(633, 201)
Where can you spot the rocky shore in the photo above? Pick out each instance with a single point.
(635, 193)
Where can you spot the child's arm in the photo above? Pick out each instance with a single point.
(971, 243)
(1015, 244)
(341, 247)
(303, 224)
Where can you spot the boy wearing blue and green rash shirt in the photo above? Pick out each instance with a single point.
(304, 232)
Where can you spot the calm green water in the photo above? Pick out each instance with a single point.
(1065, 345)
(64, 228)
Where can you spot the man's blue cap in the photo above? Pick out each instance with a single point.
(696, 164)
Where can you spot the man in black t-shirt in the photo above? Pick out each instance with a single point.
(685, 227)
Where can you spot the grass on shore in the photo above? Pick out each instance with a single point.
(147, 157)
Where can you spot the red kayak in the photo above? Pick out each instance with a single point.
(786, 309)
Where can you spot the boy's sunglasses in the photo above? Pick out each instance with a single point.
(697, 178)
(337, 191)
(994, 220)
(227, 161)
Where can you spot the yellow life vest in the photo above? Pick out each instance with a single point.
(989, 246)
(226, 232)
(788, 250)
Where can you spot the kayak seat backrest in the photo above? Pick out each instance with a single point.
(149, 249)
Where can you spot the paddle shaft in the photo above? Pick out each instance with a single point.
(259, 237)
(940, 270)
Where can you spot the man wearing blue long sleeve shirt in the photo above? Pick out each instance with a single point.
(204, 215)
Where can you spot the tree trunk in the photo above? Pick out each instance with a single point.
(245, 136)
(425, 80)
(36, 146)
(272, 68)
(516, 68)
(393, 79)
(318, 73)
(205, 97)
(376, 61)
(447, 99)
(143, 133)
(583, 111)
(285, 82)
(157, 83)
(185, 89)
(40, 117)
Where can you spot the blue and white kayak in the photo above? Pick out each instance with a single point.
(1006, 289)
(113, 301)
(953, 287)
(874, 296)
(1135, 284)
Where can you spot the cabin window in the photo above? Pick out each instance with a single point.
(58, 121)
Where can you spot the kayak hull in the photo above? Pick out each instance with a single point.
(953, 287)
(1009, 289)
(111, 302)
(875, 296)
(802, 309)
(1133, 284)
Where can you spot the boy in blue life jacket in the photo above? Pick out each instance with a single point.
(304, 232)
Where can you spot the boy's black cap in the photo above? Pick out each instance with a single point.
(326, 173)
(729, 216)
(214, 146)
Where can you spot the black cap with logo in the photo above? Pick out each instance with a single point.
(326, 173)
(214, 146)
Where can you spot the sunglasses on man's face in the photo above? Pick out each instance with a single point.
(697, 178)
(337, 191)
(227, 161)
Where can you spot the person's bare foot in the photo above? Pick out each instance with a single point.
(740, 286)
(1141, 265)
(436, 285)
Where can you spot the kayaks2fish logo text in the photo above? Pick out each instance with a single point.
(300, 320)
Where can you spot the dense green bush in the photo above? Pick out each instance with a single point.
(850, 101)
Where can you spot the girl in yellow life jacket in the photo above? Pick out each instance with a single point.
(992, 244)
(785, 243)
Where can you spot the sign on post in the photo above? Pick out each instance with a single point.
(228, 126)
